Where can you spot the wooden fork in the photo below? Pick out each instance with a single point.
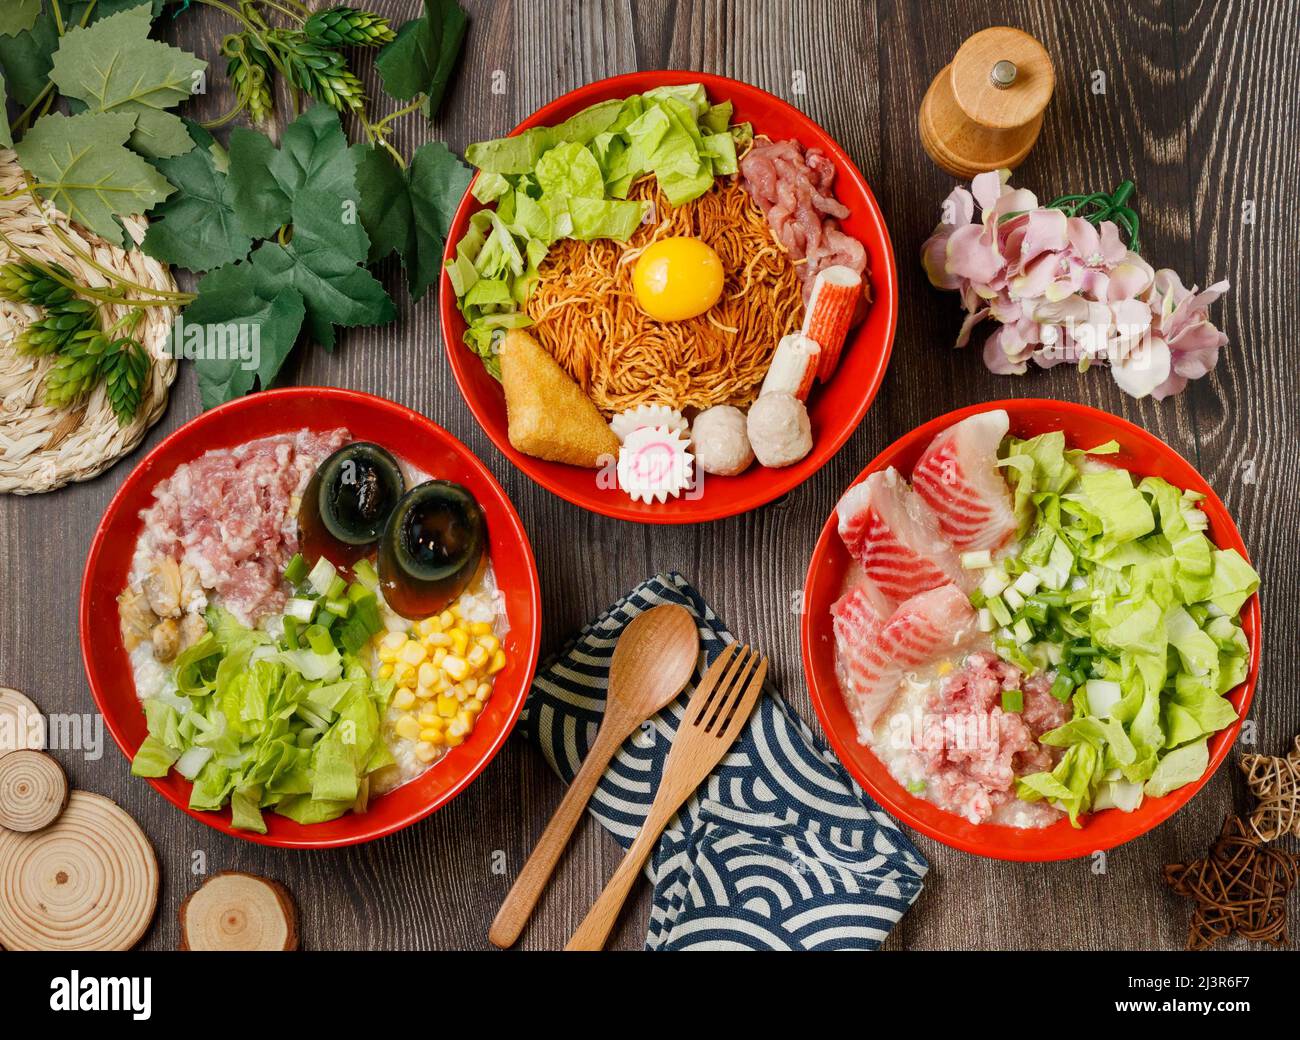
(715, 715)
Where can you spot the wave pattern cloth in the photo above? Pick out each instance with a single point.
(778, 849)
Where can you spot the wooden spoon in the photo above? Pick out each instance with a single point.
(653, 661)
(715, 715)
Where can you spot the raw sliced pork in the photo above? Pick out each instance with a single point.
(958, 478)
(895, 537)
(875, 654)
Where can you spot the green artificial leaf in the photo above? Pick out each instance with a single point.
(113, 66)
(244, 294)
(410, 211)
(313, 150)
(322, 261)
(423, 56)
(197, 228)
(18, 16)
(6, 136)
(26, 57)
(81, 164)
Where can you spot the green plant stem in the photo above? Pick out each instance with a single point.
(58, 16)
(404, 111)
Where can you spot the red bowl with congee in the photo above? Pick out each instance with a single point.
(835, 408)
(416, 441)
(1140, 453)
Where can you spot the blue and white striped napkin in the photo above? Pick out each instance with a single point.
(778, 850)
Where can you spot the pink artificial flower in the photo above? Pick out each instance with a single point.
(1063, 289)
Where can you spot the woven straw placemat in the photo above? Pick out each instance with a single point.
(44, 448)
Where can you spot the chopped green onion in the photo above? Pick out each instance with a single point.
(300, 609)
(339, 607)
(976, 561)
(999, 610)
(1023, 631)
(367, 612)
(978, 599)
(296, 572)
(916, 786)
(364, 572)
(1035, 609)
(1013, 701)
(1062, 686)
(322, 576)
(353, 635)
(318, 638)
(358, 592)
(291, 629)
(337, 588)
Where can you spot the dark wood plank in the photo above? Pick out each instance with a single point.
(1196, 110)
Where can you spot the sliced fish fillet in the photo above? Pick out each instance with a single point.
(874, 653)
(958, 478)
(895, 537)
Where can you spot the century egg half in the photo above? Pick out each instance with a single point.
(432, 548)
(347, 503)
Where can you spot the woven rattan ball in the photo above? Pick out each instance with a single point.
(44, 448)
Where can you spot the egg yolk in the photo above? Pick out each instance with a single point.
(677, 278)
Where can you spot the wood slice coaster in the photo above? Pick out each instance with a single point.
(89, 881)
(21, 723)
(33, 791)
(237, 911)
(43, 448)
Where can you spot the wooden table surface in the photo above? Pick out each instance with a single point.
(1195, 102)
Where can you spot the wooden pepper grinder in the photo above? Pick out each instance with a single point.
(984, 110)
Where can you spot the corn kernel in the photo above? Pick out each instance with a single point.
(425, 693)
(394, 640)
(455, 667)
(490, 643)
(453, 741)
(458, 727)
(477, 658)
(447, 706)
(428, 674)
(386, 655)
(426, 626)
(454, 609)
(480, 628)
(467, 688)
(459, 641)
(403, 700)
(446, 619)
(431, 736)
(482, 691)
(407, 679)
(386, 671)
(439, 655)
(498, 662)
(412, 653)
(438, 723)
(427, 716)
(426, 752)
(438, 639)
(472, 707)
(407, 728)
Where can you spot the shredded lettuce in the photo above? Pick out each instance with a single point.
(572, 181)
(1134, 598)
(291, 731)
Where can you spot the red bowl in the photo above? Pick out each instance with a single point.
(835, 409)
(1139, 452)
(411, 436)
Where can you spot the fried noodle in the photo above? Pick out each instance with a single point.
(587, 316)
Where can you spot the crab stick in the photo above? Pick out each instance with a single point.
(793, 368)
(831, 307)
